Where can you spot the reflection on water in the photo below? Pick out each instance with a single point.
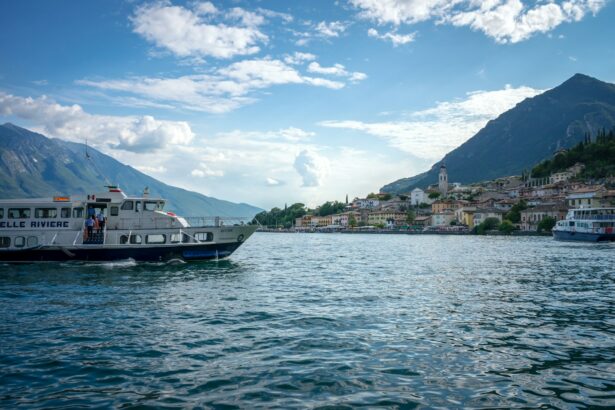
(318, 320)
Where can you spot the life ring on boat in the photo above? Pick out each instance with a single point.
(240, 238)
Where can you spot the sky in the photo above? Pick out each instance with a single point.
(274, 102)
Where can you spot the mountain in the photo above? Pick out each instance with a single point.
(526, 134)
(32, 165)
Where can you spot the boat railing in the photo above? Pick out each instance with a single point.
(179, 222)
(213, 221)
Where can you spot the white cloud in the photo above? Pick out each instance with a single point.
(298, 58)
(323, 30)
(337, 70)
(197, 173)
(431, 133)
(506, 21)
(273, 182)
(185, 33)
(223, 90)
(392, 36)
(151, 169)
(331, 28)
(205, 170)
(291, 134)
(130, 133)
(312, 167)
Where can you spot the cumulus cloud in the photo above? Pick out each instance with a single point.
(205, 171)
(298, 58)
(337, 70)
(392, 36)
(431, 133)
(151, 169)
(331, 28)
(272, 182)
(506, 21)
(290, 134)
(312, 167)
(223, 90)
(203, 30)
(322, 30)
(130, 133)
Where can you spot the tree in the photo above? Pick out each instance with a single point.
(433, 195)
(514, 215)
(506, 227)
(352, 221)
(403, 197)
(330, 208)
(488, 224)
(546, 224)
(410, 217)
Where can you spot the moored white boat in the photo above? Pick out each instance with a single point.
(587, 224)
(54, 229)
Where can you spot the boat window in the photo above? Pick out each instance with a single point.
(65, 213)
(136, 239)
(127, 206)
(19, 242)
(19, 213)
(1, 213)
(571, 223)
(32, 241)
(204, 236)
(78, 212)
(45, 213)
(115, 211)
(5, 241)
(123, 239)
(138, 206)
(158, 238)
(150, 206)
(176, 238)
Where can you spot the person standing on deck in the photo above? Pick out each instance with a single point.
(89, 225)
(101, 221)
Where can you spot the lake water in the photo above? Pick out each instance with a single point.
(319, 321)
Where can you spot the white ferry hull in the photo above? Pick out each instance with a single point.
(583, 236)
(191, 252)
(108, 226)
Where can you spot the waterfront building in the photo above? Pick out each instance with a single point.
(388, 218)
(481, 214)
(440, 206)
(418, 196)
(303, 221)
(531, 217)
(320, 221)
(443, 180)
(588, 197)
(424, 220)
(366, 203)
(443, 218)
(465, 215)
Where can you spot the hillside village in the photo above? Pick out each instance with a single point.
(524, 201)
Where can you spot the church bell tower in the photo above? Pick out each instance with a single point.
(443, 181)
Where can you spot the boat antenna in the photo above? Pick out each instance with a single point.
(89, 157)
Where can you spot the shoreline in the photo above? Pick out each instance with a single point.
(393, 232)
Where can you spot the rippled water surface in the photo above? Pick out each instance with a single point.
(319, 320)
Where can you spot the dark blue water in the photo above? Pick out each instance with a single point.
(336, 321)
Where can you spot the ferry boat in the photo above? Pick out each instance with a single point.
(138, 228)
(587, 224)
